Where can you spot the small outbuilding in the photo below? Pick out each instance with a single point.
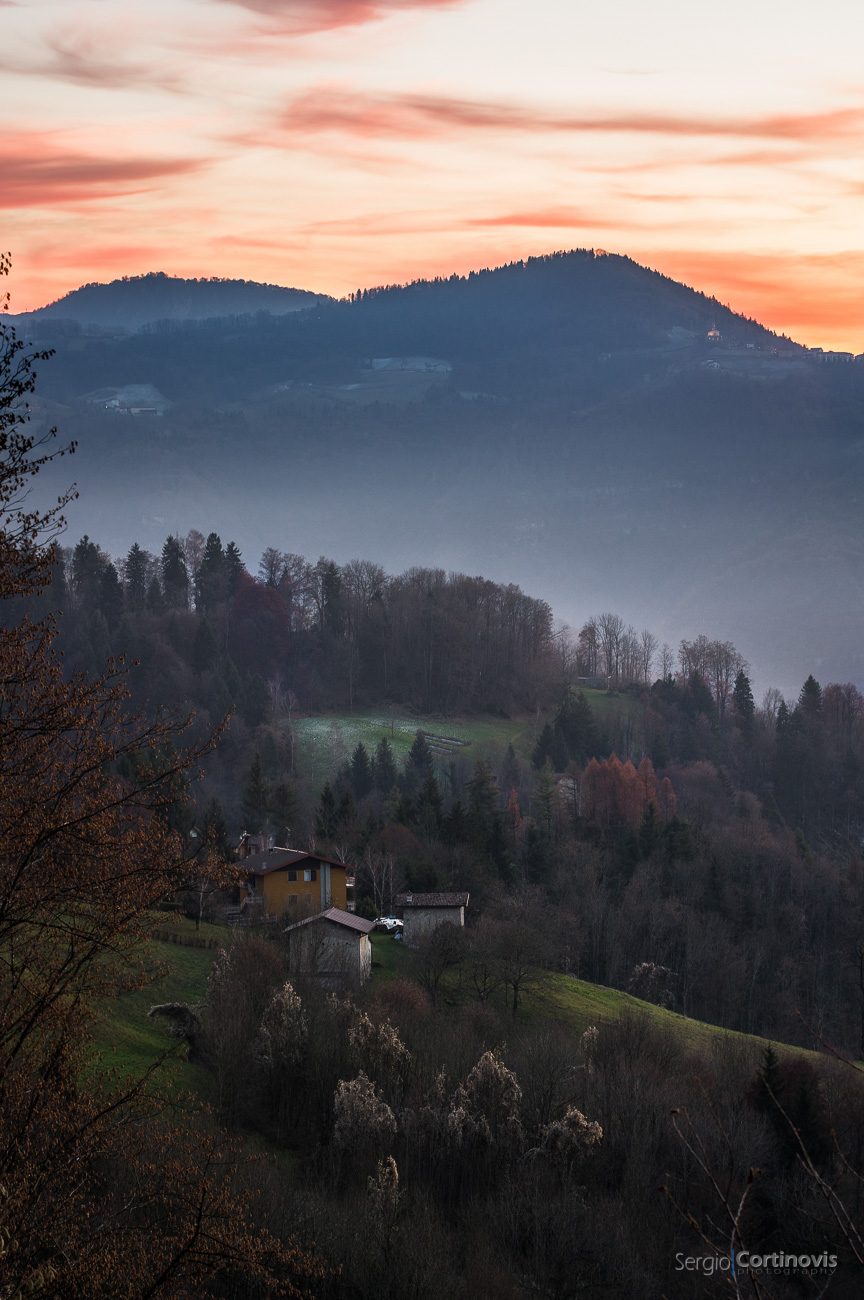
(333, 947)
(423, 913)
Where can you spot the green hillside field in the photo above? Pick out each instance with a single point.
(324, 742)
(130, 1043)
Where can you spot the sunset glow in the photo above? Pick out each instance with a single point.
(332, 144)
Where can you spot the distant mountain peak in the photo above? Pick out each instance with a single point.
(136, 300)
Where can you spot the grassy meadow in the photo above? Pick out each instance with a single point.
(325, 742)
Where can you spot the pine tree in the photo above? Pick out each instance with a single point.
(175, 576)
(430, 805)
(234, 566)
(542, 752)
(87, 566)
(742, 697)
(210, 581)
(810, 699)
(419, 763)
(346, 811)
(257, 795)
(325, 818)
(482, 791)
(384, 767)
(136, 578)
(110, 595)
(332, 601)
(360, 772)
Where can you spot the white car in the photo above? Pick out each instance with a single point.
(388, 923)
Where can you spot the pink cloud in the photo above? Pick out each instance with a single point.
(303, 16)
(407, 116)
(39, 171)
(541, 219)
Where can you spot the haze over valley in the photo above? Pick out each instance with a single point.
(576, 424)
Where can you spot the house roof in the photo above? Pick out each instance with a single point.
(338, 917)
(275, 859)
(432, 900)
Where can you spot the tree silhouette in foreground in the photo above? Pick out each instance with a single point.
(102, 1192)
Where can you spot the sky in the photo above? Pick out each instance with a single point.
(337, 144)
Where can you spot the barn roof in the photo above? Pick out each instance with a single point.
(432, 900)
(338, 917)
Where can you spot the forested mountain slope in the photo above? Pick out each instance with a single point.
(564, 423)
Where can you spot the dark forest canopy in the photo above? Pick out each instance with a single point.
(336, 635)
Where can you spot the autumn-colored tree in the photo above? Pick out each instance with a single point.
(100, 1195)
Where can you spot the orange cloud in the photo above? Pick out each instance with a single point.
(38, 172)
(303, 16)
(411, 116)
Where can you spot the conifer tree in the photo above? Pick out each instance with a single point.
(742, 697)
(810, 699)
(110, 595)
(87, 566)
(384, 767)
(210, 580)
(542, 752)
(257, 795)
(419, 763)
(175, 576)
(361, 772)
(325, 818)
(136, 578)
(430, 805)
(234, 566)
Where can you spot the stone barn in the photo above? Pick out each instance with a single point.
(423, 913)
(333, 947)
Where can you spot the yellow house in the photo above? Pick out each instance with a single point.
(292, 883)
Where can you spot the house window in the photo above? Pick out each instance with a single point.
(292, 900)
(310, 874)
(308, 899)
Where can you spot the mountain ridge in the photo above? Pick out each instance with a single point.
(131, 302)
(572, 424)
